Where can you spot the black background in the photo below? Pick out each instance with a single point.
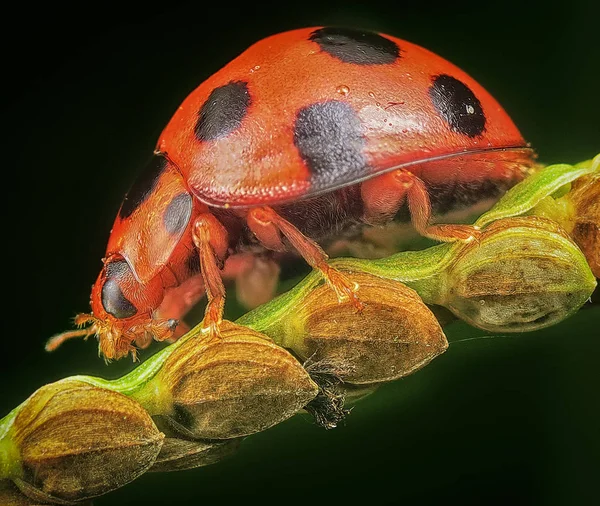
(501, 421)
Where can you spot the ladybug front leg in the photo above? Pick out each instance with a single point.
(268, 226)
(383, 196)
(211, 241)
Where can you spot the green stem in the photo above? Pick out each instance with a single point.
(10, 458)
(154, 396)
(421, 270)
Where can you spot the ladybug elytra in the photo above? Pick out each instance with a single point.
(308, 137)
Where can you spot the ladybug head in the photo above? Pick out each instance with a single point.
(120, 317)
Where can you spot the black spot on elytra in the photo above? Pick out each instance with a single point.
(223, 111)
(329, 137)
(143, 186)
(178, 212)
(113, 300)
(458, 105)
(356, 46)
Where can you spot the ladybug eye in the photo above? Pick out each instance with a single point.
(114, 302)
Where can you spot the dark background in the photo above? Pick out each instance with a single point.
(500, 421)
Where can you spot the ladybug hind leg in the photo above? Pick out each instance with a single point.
(268, 226)
(383, 196)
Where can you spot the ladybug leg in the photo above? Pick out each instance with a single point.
(256, 278)
(268, 226)
(384, 195)
(181, 330)
(176, 304)
(210, 238)
(420, 213)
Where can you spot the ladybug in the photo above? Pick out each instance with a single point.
(308, 137)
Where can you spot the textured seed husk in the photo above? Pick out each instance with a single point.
(39, 497)
(10, 495)
(394, 335)
(79, 441)
(356, 393)
(585, 194)
(234, 386)
(522, 275)
(178, 453)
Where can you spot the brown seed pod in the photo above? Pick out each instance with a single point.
(585, 195)
(394, 335)
(10, 495)
(523, 274)
(78, 441)
(234, 386)
(178, 453)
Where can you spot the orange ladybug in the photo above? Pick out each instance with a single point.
(308, 137)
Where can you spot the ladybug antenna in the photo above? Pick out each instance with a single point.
(81, 319)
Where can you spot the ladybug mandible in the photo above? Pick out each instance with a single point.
(307, 137)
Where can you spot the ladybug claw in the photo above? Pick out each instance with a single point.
(475, 236)
(451, 233)
(211, 325)
(355, 300)
(344, 289)
(210, 331)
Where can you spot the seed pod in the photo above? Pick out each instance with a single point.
(585, 195)
(523, 274)
(234, 386)
(356, 393)
(10, 495)
(394, 335)
(178, 454)
(76, 441)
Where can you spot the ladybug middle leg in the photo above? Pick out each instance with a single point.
(256, 278)
(383, 196)
(268, 226)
